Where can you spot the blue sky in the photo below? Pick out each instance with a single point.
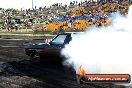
(28, 3)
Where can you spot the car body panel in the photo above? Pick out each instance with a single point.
(53, 48)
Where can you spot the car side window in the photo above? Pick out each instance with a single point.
(60, 39)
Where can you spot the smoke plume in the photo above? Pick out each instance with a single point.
(105, 50)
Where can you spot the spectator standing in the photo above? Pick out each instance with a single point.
(33, 28)
(60, 30)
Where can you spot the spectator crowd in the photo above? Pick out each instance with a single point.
(76, 16)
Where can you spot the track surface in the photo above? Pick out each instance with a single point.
(16, 70)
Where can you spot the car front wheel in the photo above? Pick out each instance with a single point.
(35, 57)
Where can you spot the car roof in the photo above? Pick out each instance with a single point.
(71, 32)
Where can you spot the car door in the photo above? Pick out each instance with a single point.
(57, 44)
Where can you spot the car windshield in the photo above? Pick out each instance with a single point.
(59, 39)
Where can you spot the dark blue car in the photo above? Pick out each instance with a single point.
(41, 51)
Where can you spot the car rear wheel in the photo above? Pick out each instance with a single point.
(35, 57)
(80, 80)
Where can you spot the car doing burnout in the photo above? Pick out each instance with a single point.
(40, 51)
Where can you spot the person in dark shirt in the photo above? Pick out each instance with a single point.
(60, 30)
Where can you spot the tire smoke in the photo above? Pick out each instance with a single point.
(105, 50)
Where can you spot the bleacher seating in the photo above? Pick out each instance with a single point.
(95, 14)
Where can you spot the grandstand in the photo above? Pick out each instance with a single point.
(85, 15)
(77, 16)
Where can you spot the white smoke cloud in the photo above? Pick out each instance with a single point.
(105, 50)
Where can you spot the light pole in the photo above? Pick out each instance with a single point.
(32, 4)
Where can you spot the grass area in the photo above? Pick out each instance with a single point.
(20, 30)
(23, 32)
